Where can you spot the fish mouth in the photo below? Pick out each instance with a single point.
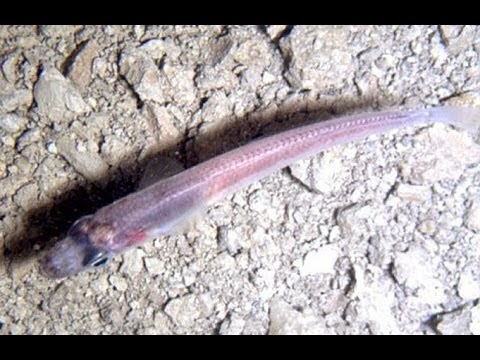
(65, 258)
(69, 257)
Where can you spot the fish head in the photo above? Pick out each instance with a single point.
(76, 252)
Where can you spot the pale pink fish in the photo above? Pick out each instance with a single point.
(161, 208)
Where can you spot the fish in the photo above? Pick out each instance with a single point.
(162, 207)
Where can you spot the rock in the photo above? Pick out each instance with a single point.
(217, 106)
(154, 266)
(12, 123)
(118, 282)
(52, 148)
(473, 216)
(225, 262)
(57, 31)
(274, 31)
(416, 270)
(168, 135)
(469, 284)
(157, 48)
(284, 320)
(3, 168)
(19, 268)
(375, 299)
(264, 280)
(88, 164)
(455, 322)
(458, 37)
(113, 149)
(217, 50)
(232, 325)
(80, 69)
(189, 276)
(233, 240)
(321, 261)
(415, 193)
(7, 141)
(442, 153)
(100, 283)
(351, 218)
(143, 75)
(162, 322)
(324, 173)
(19, 99)
(132, 263)
(100, 67)
(324, 65)
(475, 320)
(10, 65)
(56, 97)
(185, 310)
(27, 196)
(260, 202)
(28, 137)
(427, 227)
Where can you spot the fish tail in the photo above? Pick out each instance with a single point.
(467, 118)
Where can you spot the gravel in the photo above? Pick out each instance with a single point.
(379, 236)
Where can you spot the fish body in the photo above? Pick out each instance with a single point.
(162, 207)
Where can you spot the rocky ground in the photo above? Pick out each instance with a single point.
(379, 236)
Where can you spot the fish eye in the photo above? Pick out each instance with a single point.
(94, 257)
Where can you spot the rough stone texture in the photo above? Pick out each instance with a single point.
(86, 163)
(285, 320)
(56, 97)
(377, 236)
(80, 69)
(321, 261)
(455, 323)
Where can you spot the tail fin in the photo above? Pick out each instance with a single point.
(467, 118)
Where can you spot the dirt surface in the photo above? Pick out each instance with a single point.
(379, 236)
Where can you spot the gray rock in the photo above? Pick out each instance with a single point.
(441, 154)
(56, 97)
(143, 75)
(56, 31)
(415, 193)
(417, 271)
(12, 123)
(233, 240)
(323, 173)
(314, 68)
(473, 216)
(284, 320)
(154, 266)
(455, 322)
(475, 320)
(118, 282)
(80, 70)
(232, 325)
(132, 263)
(28, 137)
(185, 310)
(321, 261)
(352, 218)
(88, 164)
(17, 100)
(26, 197)
(469, 284)
(274, 31)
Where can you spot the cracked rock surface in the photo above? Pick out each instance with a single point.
(378, 236)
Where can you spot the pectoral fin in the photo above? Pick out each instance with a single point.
(159, 168)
